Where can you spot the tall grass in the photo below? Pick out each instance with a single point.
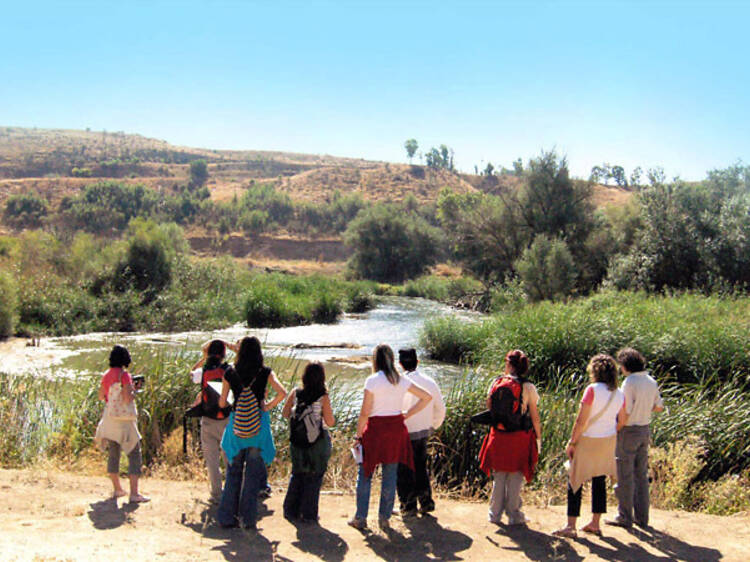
(275, 300)
(687, 337)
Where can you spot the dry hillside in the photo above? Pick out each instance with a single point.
(56, 163)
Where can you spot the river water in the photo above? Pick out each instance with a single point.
(345, 347)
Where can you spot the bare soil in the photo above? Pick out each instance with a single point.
(48, 515)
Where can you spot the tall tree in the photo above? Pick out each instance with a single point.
(411, 147)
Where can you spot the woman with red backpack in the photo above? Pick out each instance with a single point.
(511, 449)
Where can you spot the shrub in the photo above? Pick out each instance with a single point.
(546, 269)
(327, 309)
(25, 210)
(390, 245)
(198, 172)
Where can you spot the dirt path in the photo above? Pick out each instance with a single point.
(60, 516)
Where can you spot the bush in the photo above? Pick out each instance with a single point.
(25, 210)
(327, 309)
(390, 245)
(198, 172)
(8, 305)
(546, 269)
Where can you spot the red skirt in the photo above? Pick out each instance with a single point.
(384, 441)
(514, 451)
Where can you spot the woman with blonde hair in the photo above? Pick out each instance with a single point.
(382, 434)
(591, 449)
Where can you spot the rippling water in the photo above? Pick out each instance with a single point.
(395, 321)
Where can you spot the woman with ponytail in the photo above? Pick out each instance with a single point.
(382, 434)
(509, 454)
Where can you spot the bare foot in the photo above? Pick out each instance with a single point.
(118, 493)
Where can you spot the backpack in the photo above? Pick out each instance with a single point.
(505, 405)
(209, 404)
(304, 428)
(246, 414)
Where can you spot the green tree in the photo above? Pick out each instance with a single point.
(411, 147)
(198, 172)
(391, 245)
(546, 269)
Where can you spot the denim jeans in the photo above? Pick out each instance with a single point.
(303, 495)
(387, 491)
(239, 499)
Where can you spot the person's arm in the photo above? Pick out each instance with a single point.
(424, 398)
(579, 426)
(658, 403)
(535, 419)
(364, 413)
(225, 387)
(102, 395)
(327, 411)
(197, 400)
(280, 392)
(622, 417)
(438, 409)
(235, 347)
(289, 404)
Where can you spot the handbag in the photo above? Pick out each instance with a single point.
(117, 408)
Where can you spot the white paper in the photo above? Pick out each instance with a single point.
(357, 453)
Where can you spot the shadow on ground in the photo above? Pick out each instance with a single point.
(106, 514)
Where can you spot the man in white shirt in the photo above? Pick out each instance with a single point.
(642, 397)
(414, 486)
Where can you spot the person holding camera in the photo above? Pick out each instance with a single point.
(117, 431)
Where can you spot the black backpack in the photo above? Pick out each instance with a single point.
(505, 405)
(304, 431)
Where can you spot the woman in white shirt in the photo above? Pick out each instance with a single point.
(382, 433)
(591, 448)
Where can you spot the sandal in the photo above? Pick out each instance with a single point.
(566, 533)
(591, 531)
(139, 499)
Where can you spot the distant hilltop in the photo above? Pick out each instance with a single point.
(57, 162)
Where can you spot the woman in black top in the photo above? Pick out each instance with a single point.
(247, 457)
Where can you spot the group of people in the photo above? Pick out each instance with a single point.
(399, 413)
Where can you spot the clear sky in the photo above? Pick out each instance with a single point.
(630, 83)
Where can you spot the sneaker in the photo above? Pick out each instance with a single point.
(357, 523)
(409, 513)
(617, 522)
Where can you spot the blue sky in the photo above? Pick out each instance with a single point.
(630, 83)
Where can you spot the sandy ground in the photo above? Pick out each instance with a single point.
(46, 515)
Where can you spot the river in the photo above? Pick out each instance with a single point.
(345, 347)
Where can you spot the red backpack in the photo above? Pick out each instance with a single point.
(506, 399)
(209, 397)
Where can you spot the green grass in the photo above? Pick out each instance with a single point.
(687, 337)
(275, 299)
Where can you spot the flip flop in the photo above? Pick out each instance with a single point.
(139, 499)
(565, 533)
(590, 531)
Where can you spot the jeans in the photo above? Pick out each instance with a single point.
(632, 474)
(598, 497)
(506, 496)
(135, 461)
(240, 497)
(387, 491)
(302, 496)
(414, 485)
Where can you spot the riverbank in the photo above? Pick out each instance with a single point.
(177, 524)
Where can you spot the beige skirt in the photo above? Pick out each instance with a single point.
(593, 456)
